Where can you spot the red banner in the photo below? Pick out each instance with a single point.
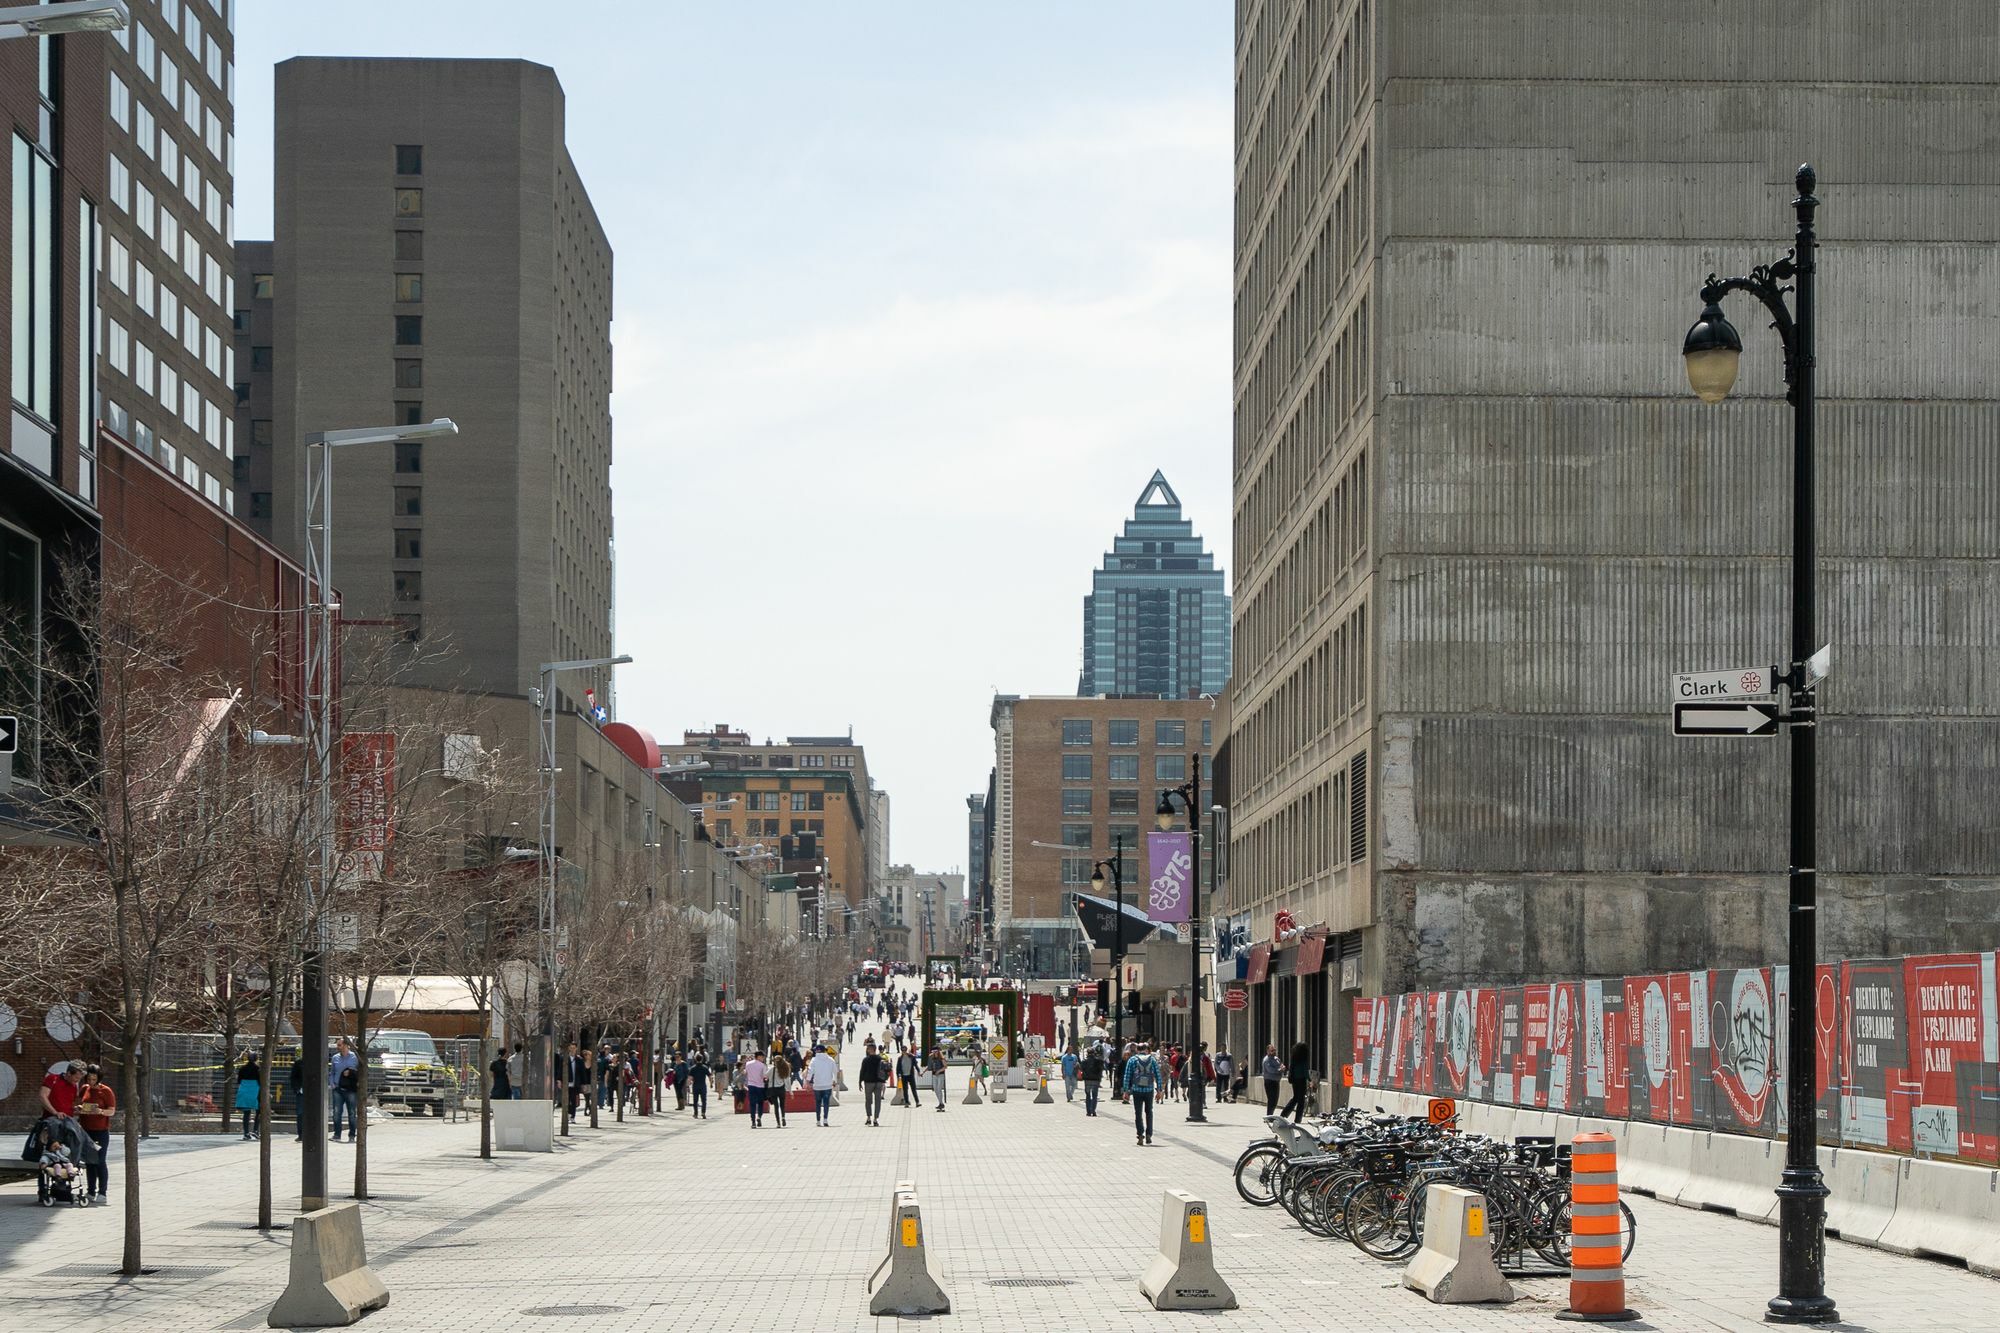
(367, 803)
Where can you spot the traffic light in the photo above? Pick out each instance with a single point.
(722, 997)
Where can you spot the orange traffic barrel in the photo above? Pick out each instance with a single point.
(1596, 1242)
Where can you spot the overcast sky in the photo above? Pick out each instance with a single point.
(911, 299)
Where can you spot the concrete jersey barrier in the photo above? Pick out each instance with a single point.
(331, 1283)
(1182, 1275)
(1454, 1266)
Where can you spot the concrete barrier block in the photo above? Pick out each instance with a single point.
(1734, 1172)
(1182, 1276)
(971, 1097)
(1863, 1186)
(528, 1125)
(1455, 1264)
(1656, 1159)
(908, 1289)
(1947, 1209)
(331, 1284)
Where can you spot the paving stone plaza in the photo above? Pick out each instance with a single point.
(1036, 1217)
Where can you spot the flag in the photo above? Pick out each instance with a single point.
(1169, 876)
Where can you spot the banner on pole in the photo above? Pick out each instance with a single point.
(1169, 876)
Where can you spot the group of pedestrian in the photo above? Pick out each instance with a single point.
(76, 1097)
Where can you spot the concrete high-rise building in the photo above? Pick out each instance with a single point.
(1480, 519)
(438, 256)
(1157, 619)
(975, 841)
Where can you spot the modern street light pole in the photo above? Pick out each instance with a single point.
(321, 870)
(1189, 793)
(1711, 351)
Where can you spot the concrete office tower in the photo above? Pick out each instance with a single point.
(437, 256)
(1156, 620)
(1480, 519)
(167, 272)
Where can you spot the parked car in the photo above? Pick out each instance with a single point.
(405, 1069)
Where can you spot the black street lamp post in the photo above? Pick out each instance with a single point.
(1189, 793)
(1117, 864)
(1711, 351)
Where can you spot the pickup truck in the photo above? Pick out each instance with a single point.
(406, 1070)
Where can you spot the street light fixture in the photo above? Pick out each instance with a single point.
(1189, 794)
(1711, 351)
(75, 16)
(318, 739)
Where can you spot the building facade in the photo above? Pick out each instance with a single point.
(916, 910)
(1480, 520)
(438, 256)
(1157, 619)
(1077, 781)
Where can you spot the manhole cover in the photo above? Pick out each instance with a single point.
(562, 1311)
(1030, 1282)
(164, 1270)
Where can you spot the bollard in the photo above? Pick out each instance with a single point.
(972, 1097)
(1596, 1250)
(1042, 1098)
(1182, 1276)
(909, 1289)
(1455, 1265)
(331, 1283)
(997, 1090)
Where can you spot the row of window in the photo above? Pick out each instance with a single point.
(151, 374)
(143, 438)
(184, 22)
(774, 800)
(1323, 559)
(1322, 690)
(1167, 732)
(774, 828)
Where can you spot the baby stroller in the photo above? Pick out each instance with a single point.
(60, 1148)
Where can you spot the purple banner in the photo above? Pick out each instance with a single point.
(1169, 876)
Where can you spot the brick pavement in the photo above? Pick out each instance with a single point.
(698, 1225)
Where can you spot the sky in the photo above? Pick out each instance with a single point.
(910, 301)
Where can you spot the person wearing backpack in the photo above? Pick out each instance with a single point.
(1141, 1081)
(1091, 1070)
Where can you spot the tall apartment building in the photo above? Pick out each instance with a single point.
(975, 842)
(1480, 519)
(1085, 776)
(1157, 619)
(438, 256)
(807, 799)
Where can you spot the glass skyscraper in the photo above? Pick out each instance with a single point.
(1157, 620)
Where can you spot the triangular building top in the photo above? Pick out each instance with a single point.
(1159, 483)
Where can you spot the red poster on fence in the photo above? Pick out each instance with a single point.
(1948, 1042)
(1562, 1061)
(1536, 1002)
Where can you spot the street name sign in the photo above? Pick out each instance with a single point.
(1739, 717)
(1732, 683)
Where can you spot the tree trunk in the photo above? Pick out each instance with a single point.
(485, 1083)
(272, 1003)
(361, 1102)
(138, 1060)
(129, 1079)
(228, 1060)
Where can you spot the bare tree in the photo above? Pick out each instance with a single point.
(133, 780)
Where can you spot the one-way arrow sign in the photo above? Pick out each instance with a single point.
(1725, 719)
(10, 734)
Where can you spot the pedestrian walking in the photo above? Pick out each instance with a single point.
(935, 1064)
(874, 1077)
(249, 1082)
(755, 1075)
(502, 1089)
(1069, 1063)
(823, 1072)
(96, 1103)
(1173, 1080)
(343, 1077)
(906, 1079)
(1300, 1075)
(779, 1084)
(1142, 1079)
(296, 1080)
(697, 1077)
(1200, 1072)
(1273, 1070)
(517, 1071)
(1225, 1073)
(1091, 1070)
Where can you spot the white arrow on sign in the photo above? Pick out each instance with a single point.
(1725, 719)
(10, 734)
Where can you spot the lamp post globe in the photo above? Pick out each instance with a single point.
(1711, 352)
(1163, 816)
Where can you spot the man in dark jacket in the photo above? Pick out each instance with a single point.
(1091, 1070)
(874, 1077)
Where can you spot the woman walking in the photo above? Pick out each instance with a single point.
(249, 1082)
(95, 1104)
(780, 1086)
(1300, 1075)
(936, 1067)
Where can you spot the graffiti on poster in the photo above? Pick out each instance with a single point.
(1908, 1050)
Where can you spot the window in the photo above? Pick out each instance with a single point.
(409, 414)
(1123, 768)
(409, 203)
(1170, 732)
(34, 315)
(212, 279)
(142, 286)
(1076, 835)
(117, 343)
(409, 586)
(1076, 768)
(409, 330)
(1076, 731)
(1124, 731)
(815, 800)
(409, 501)
(170, 388)
(260, 286)
(260, 433)
(1170, 767)
(1076, 802)
(1125, 835)
(799, 801)
(1076, 871)
(260, 358)
(1207, 730)
(142, 129)
(409, 374)
(409, 286)
(121, 103)
(170, 158)
(211, 488)
(409, 159)
(409, 245)
(812, 761)
(142, 365)
(260, 504)
(121, 184)
(1124, 802)
(240, 321)
(409, 543)
(410, 456)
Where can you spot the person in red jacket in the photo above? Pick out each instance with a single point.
(96, 1103)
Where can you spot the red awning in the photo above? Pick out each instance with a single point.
(1312, 953)
(1260, 964)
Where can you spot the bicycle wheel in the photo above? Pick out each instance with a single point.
(1328, 1200)
(1255, 1172)
(1377, 1214)
(1559, 1247)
